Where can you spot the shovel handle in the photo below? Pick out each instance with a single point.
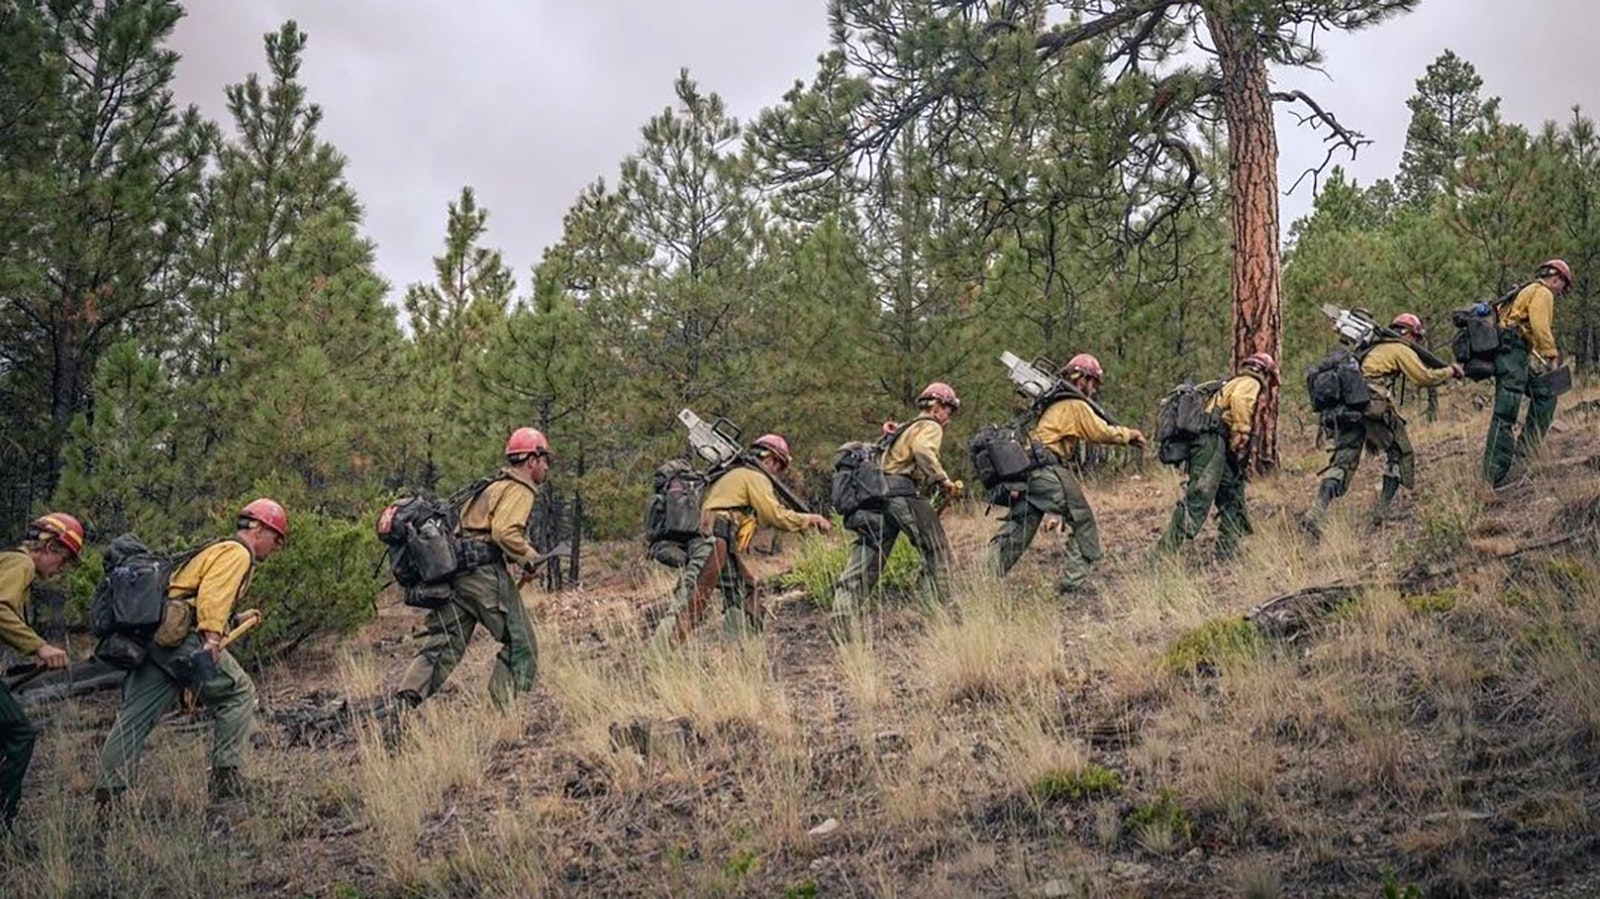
(248, 619)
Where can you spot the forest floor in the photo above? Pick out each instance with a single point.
(1418, 715)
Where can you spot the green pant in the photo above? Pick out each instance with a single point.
(488, 596)
(1513, 379)
(1049, 489)
(1216, 478)
(1386, 433)
(151, 690)
(16, 749)
(713, 565)
(914, 517)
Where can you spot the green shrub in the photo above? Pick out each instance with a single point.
(1093, 782)
(821, 560)
(805, 889)
(1432, 603)
(1162, 825)
(321, 583)
(1214, 645)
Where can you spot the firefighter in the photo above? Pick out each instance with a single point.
(210, 583)
(1218, 462)
(1380, 427)
(50, 545)
(912, 467)
(738, 501)
(1066, 423)
(1527, 354)
(494, 528)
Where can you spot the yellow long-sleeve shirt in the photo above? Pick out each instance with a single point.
(915, 453)
(744, 493)
(500, 515)
(1531, 315)
(16, 576)
(1070, 422)
(212, 582)
(1388, 361)
(1237, 400)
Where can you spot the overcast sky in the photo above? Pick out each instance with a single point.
(529, 100)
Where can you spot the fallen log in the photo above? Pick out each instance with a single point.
(80, 679)
(1287, 615)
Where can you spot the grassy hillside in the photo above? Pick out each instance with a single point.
(1416, 716)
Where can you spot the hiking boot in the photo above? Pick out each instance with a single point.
(227, 784)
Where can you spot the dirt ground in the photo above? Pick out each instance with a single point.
(1424, 740)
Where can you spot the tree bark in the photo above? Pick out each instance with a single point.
(1253, 210)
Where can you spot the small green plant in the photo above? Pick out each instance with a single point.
(1160, 826)
(821, 560)
(1572, 577)
(1213, 646)
(676, 857)
(1393, 888)
(805, 889)
(1436, 603)
(742, 864)
(1093, 782)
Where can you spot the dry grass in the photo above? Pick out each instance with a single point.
(988, 647)
(1034, 752)
(1399, 720)
(404, 783)
(866, 677)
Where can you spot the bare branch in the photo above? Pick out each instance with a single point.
(1338, 137)
(1053, 42)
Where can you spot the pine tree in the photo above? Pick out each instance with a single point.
(1443, 110)
(98, 167)
(268, 176)
(312, 373)
(451, 321)
(120, 472)
(920, 64)
(689, 196)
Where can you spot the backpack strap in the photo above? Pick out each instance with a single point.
(1064, 390)
(887, 441)
(175, 562)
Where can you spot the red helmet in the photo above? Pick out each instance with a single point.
(268, 514)
(525, 441)
(1409, 322)
(775, 444)
(1558, 266)
(941, 392)
(1084, 364)
(65, 529)
(1264, 363)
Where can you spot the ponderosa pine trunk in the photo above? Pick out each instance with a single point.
(1253, 211)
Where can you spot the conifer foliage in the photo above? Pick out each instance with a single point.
(190, 313)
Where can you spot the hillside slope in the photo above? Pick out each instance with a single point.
(1421, 712)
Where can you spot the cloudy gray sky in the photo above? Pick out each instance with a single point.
(529, 100)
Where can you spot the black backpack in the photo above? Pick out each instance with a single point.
(1477, 338)
(1336, 385)
(424, 550)
(859, 482)
(131, 597)
(673, 510)
(1181, 417)
(1003, 454)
